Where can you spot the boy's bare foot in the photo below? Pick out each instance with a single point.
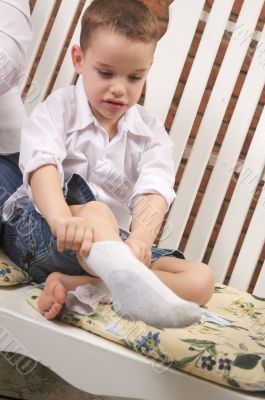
(53, 297)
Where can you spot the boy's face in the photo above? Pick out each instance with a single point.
(114, 70)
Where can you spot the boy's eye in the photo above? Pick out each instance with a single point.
(105, 74)
(135, 77)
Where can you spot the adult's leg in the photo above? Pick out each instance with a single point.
(10, 180)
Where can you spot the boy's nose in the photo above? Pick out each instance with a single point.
(117, 89)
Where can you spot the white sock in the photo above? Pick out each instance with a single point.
(136, 291)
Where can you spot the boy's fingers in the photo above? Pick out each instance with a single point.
(70, 236)
(86, 243)
(85, 248)
(78, 239)
(61, 241)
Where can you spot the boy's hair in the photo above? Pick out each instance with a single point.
(131, 18)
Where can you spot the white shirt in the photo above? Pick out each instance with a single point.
(15, 34)
(63, 131)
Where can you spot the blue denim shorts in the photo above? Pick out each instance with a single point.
(29, 242)
(10, 180)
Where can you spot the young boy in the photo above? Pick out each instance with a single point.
(90, 157)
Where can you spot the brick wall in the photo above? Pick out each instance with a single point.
(160, 8)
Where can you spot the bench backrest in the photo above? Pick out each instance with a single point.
(215, 116)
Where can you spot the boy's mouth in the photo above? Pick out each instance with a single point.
(115, 104)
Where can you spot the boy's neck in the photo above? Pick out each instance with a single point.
(111, 127)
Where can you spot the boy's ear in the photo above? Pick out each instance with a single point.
(77, 59)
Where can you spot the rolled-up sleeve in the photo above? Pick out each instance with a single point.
(156, 169)
(15, 35)
(42, 143)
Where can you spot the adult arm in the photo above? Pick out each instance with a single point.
(15, 34)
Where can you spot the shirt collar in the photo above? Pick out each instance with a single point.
(132, 121)
(135, 122)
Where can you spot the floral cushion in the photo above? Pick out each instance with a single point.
(226, 347)
(10, 274)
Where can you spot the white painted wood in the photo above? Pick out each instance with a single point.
(210, 124)
(226, 160)
(170, 56)
(40, 18)
(242, 196)
(259, 287)
(251, 248)
(66, 74)
(202, 66)
(51, 53)
(94, 364)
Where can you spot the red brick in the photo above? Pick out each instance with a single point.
(186, 69)
(239, 84)
(222, 50)
(170, 117)
(195, 44)
(195, 128)
(220, 136)
(204, 101)
(179, 174)
(229, 193)
(196, 204)
(237, 7)
(262, 16)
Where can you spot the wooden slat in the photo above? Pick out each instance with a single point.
(210, 124)
(239, 206)
(259, 287)
(40, 18)
(170, 55)
(52, 51)
(66, 74)
(202, 66)
(226, 160)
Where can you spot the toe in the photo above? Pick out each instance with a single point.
(59, 293)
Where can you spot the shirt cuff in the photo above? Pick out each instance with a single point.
(37, 162)
(167, 193)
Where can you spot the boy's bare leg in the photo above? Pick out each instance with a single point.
(56, 287)
(57, 284)
(193, 281)
(135, 290)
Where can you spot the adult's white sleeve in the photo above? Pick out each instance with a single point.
(15, 35)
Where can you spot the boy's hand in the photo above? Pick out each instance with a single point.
(140, 249)
(73, 233)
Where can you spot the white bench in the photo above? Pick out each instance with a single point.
(107, 368)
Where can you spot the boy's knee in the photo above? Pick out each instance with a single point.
(205, 283)
(98, 207)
